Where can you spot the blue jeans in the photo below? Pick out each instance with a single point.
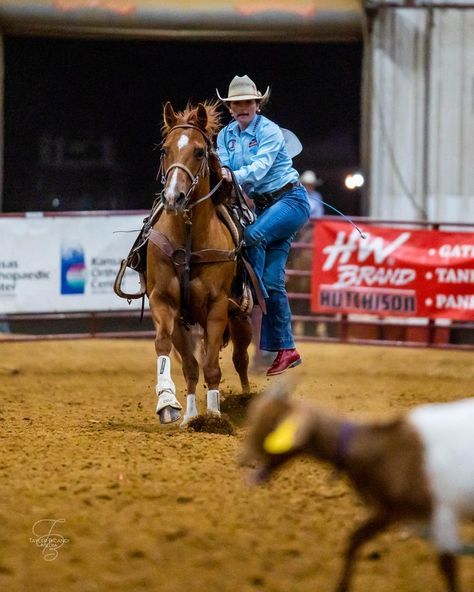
(267, 245)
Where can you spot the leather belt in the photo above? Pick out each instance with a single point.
(263, 200)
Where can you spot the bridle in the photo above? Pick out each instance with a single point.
(203, 171)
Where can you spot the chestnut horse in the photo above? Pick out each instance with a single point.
(191, 263)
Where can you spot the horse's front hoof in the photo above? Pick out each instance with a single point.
(168, 408)
(168, 414)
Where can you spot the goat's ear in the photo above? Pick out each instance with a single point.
(291, 433)
(169, 116)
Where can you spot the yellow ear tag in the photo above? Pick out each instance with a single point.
(282, 439)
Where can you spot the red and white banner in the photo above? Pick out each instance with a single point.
(393, 271)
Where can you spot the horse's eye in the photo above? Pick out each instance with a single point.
(199, 152)
(164, 151)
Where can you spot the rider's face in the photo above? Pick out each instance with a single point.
(243, 111)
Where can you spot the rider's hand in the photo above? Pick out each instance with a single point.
(226, 174)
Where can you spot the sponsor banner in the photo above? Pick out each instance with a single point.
(393, 271)
(65, 263)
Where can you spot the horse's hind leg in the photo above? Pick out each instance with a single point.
(241, 335)
(183, 342)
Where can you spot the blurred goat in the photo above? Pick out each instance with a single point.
(419, 466)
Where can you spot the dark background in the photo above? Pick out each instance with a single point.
(82, 117)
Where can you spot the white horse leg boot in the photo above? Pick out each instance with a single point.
(213, 404)
(191, 410)
(168, 406)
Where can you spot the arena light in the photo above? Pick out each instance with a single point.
(354, 180)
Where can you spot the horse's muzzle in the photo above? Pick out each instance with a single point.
(173, 202)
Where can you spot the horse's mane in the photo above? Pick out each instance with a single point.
(189, 115)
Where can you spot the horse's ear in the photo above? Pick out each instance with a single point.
(169, 116)
(201, 114)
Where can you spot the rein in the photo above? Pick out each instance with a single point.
(198, 201)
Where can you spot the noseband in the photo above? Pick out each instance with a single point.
(202, 171)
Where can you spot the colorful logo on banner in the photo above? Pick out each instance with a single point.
(394, 271)
(73, 269)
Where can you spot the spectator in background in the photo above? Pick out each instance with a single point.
(310, 181)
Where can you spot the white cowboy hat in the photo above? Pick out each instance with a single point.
(242, 88)
(311, 178)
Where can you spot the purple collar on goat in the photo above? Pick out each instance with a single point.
(346, 432)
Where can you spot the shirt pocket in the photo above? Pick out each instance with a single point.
(252, 146)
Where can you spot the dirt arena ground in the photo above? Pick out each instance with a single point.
(142, 507)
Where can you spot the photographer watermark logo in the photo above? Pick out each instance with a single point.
(46, 537)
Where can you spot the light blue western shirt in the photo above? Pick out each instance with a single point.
(257, 155)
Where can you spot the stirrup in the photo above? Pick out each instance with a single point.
(119, 279)
(245, 302)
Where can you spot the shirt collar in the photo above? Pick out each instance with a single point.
(251, 129)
